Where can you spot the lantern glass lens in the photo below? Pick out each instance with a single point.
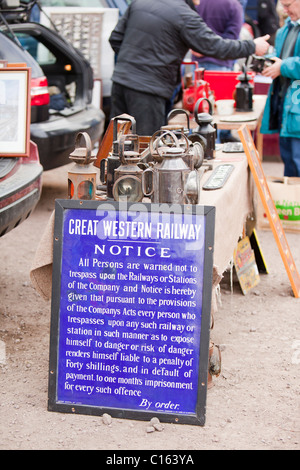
(85, 190)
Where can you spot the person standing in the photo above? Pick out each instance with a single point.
(150, 41)
(267, 18)
(282, 111)
(225, 18)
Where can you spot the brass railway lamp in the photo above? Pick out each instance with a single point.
(112, 162)
(82, 175)
(171, 180)
(197, 144)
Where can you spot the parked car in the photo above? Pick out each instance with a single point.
(110, 10)
(20, 188)
(61, 87)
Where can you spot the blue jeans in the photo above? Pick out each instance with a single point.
(290, 154)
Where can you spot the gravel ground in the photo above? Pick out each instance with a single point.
(254, 403)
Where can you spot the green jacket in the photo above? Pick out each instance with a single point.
(290, 68)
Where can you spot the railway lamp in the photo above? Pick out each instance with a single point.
(82, 175)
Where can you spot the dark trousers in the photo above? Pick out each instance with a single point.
(149, 111)
(289, 150)
(290, 154)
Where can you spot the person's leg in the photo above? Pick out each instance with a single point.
(149, 111)
(118, 103)
(290, 154)
(296, 156)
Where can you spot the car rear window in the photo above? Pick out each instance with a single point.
(36, 49)
(11, 52)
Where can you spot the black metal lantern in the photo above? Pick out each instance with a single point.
(244, 92)
(206, 129)
(112, 162)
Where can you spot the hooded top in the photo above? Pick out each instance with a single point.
(224, 17)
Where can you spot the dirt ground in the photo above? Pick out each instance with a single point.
(254, 403)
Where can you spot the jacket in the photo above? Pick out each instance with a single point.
(290, 68)
(152, 39)
(267, 17)
(225, 18)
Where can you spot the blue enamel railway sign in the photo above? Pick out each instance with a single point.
(130, 313)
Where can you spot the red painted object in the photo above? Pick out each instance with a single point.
(195, 87)
(223, 83)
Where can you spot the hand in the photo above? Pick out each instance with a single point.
(261, 44)
(273, 70)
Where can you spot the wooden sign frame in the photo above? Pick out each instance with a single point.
(270, 208)
(100, 323)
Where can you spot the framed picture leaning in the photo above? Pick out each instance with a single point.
(15, 111)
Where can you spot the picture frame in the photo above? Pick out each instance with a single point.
(15, 111)
(261, 183)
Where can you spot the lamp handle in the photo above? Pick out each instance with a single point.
(175, 112)
(197, 107)
(158, 138)
(123, 117)
(149, 170)
(124, 138)
(88, 146)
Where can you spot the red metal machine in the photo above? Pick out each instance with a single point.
(194, 87)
